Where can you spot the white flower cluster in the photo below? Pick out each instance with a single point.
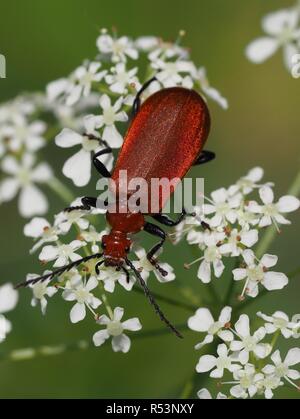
(233, 220)
(116, 76)
(8, 301)
(21, 137)
(82, 285)
(255, 366)
(282, 30)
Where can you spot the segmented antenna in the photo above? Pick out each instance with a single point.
(59, 271)
(152, 299)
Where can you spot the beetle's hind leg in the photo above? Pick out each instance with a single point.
(137, 101)
(204, 157)
(156, 231)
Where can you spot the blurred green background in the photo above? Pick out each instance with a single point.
(44, 40)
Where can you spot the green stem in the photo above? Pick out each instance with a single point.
(61, 190)
(168, 300)
(27, 354)
(271, 233)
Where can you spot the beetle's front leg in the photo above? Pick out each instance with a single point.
(137, 101)
(155, 231)
(100, 167)
(88, 202)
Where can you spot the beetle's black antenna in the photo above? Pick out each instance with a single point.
(127, 274)
(152, 299)
(59, 271)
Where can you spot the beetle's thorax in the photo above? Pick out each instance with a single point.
(116, 244)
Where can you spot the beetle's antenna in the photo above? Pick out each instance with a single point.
(152, 299)
(59, 271)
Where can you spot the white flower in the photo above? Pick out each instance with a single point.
(92, 236)
(169, 72)
(62, 253)
(237, 238)
(283, 30)
(110, 115)
(80, 291)
(22, 176)
(203, 321)
(65, 220)
(40, 291)
(39, 228)
(257, 272)
(79, 166)
(21, 133)
(115, 328)
(8, 298)
(204, 394)
(212, 257)
(117, 48)
(82, 78)
(201, 76)
(110, 276)
(217, 364)
(145, 267)
(8, 301)
(278, 321)
(223, 206)
(249, 343)
(246, 382)
(56, 88)
(270, 211)
(267, 384)
(247, 183)
(281, 369)
(121, 78)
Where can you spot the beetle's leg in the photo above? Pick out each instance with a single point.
(167, 221)
(137, 101)
(204, 157)
(100, 167)
(88, 202)
(155, 231)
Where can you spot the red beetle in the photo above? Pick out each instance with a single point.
(165, 138)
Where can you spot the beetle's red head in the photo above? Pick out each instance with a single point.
(115, 245)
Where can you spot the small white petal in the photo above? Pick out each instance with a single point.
(266, 195)
(269, 260)
(201, 321)
(100, 337)
(275, 281)
(68, 138)
(293, 357)
(32, 202)
(288, 204)
(8, 298)
(133, 324)
(77, 313)
(121, 343)
(206, 363)
(78, 168)
(261, 49)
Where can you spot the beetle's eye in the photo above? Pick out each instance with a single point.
(127, 249)
(103, 245)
